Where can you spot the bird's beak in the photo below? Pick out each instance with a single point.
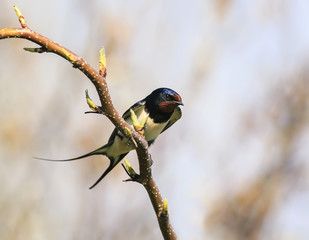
(178, 102)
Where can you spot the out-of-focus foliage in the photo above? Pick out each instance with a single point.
(234, 167)
(246, 214)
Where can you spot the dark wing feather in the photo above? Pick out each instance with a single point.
(175, 116)
(113, 162)
(136, 107)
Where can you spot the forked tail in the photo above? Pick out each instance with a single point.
(101, 150)
(112, 164)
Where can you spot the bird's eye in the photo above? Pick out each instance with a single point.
(168, 97)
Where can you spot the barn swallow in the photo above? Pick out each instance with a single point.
(159, 110)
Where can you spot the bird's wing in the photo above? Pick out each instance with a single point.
(175, 116)
(136, 108)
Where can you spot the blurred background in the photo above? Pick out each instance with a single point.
(234, 167)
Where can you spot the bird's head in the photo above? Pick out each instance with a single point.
(164, 100)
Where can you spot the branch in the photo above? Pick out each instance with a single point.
(107, 108)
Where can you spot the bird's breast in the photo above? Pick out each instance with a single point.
(152, 129)
(123, 145)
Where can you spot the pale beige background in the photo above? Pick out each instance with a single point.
(234, 167)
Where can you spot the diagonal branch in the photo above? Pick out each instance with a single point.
(99, 81)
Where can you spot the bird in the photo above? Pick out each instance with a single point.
(159, 110)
